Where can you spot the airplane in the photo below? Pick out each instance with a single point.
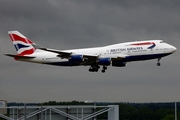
(116, 55)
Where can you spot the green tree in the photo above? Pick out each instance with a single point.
(168, 117)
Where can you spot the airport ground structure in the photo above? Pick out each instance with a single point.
(63, 112)
(76, 110)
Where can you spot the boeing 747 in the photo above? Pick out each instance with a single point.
(117, 55)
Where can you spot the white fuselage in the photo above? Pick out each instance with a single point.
(130, 51)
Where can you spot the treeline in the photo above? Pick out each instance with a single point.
(129, 111)
(134, 111)
(150, 111)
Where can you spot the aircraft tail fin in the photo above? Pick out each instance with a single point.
(22, 44)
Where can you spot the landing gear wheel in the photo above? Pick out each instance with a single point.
(94, 68)
(103, 71)
(104, 67)
(158, 64)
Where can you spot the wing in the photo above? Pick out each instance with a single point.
(89, 59)
(60, 53)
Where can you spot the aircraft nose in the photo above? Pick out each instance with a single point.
(174, 49)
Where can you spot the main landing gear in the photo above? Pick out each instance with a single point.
(158, 64)
(104, 69)
(95, 68)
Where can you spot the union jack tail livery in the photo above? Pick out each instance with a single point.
(22, 44)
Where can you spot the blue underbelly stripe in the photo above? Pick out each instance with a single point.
(127, 59)
(145, 57)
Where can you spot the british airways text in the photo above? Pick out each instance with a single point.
(126, 49)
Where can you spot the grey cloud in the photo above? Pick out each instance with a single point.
(63, 24)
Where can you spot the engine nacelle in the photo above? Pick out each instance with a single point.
(76, 58)
(118, 64)
(104, 61)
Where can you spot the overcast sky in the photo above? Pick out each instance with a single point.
(67, 24)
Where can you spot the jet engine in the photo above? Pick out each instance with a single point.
(76, 58)
(104, 61)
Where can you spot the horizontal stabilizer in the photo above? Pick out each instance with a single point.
(18, 56)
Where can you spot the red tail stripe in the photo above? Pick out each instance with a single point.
(27, 52)
(15, 37)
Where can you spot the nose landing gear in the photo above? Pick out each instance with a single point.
(158, 64)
